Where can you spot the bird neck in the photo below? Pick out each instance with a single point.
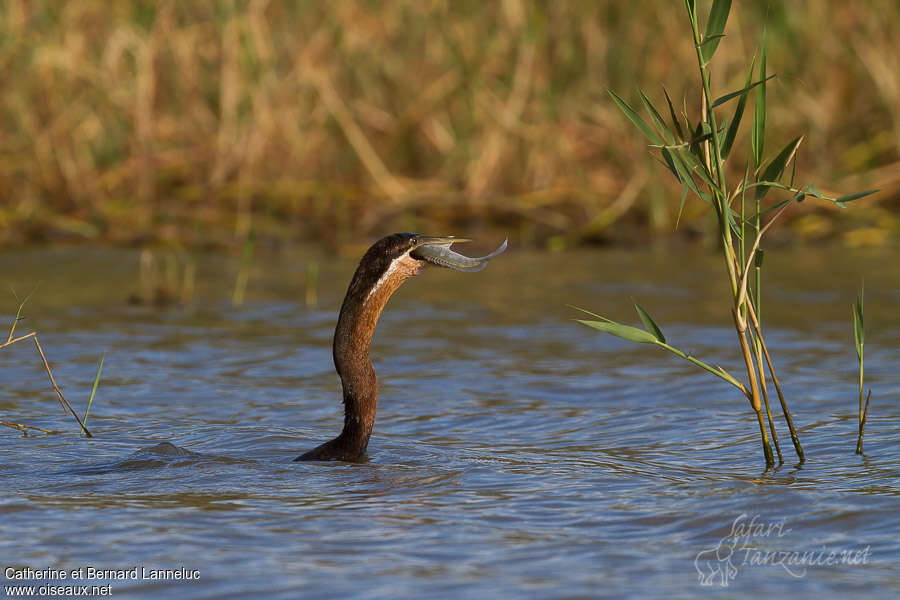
(352, 341)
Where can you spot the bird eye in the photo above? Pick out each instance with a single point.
(415, 240)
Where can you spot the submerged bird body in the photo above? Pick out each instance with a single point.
(382, 270)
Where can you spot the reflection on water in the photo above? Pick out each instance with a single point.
(514, 451)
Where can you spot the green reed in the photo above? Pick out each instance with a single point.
(93, 390)
(859, 339)
(697, 154)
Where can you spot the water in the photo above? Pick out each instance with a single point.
(516, 453)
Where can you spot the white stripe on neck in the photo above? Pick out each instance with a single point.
(395, 264)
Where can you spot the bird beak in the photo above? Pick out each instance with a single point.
(436, 250)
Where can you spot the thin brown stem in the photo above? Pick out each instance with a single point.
(767, 449)
(742, 289)
(795, 439)
(748, 362)
(754, 387)
(24, 428)
(11, 341)
(862, 424)
(757, 351)
(706, 153)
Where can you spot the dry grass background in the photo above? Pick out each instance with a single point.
(201, 122)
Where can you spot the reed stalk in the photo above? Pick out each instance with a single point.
(862, 424)
(859, 339)
(695, 154)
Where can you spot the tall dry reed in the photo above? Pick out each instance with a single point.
(199, 121)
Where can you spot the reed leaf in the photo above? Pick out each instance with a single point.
(685, 176)
(676, 122)
(684, 191)
(842, 200)
(626, 332)
(93, 392)
(758, 134)
(669, 162)
(636, 119)
(777, 165)
(715, 25)
(649, 323)
(741, 92)
(695, 165)
(657, 119)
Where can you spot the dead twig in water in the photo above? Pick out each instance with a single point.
(24, 428)
(62, 399)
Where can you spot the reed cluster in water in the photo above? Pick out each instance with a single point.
(696, 153)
